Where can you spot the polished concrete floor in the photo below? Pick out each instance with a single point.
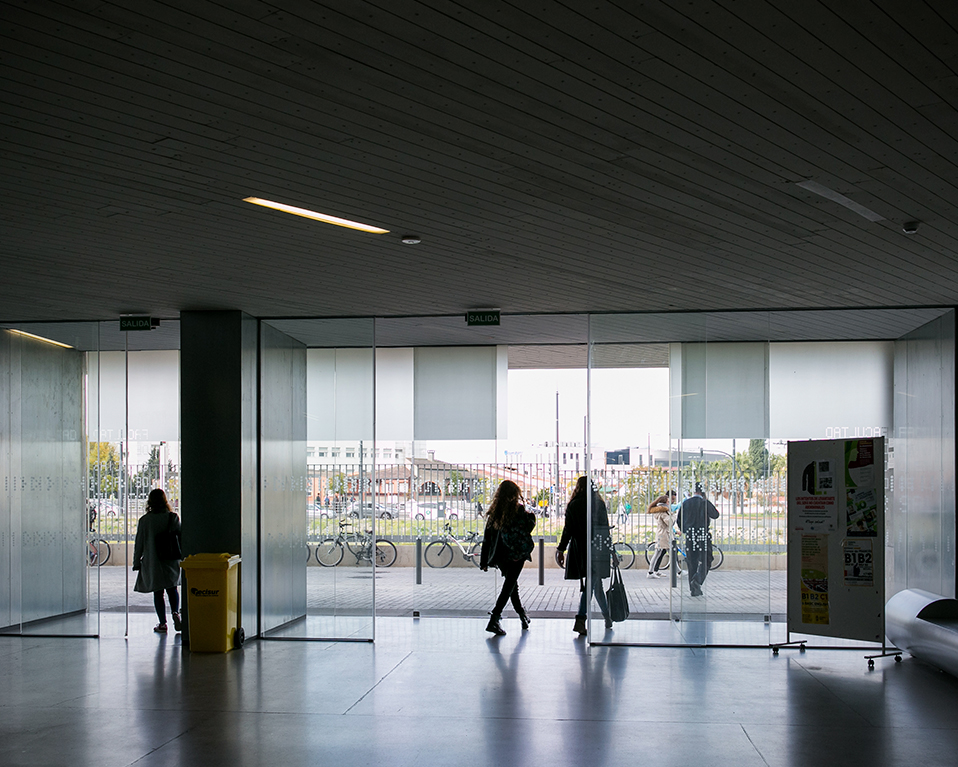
(442, 691)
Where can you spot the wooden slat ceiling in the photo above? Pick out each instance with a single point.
(554, 157)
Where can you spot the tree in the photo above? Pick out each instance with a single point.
(758, 461)
(104, 467)
(149, 472)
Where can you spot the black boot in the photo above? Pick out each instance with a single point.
(524, 619)
(493, 626)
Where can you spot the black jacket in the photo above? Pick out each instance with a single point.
(574, 538)
(496, 548)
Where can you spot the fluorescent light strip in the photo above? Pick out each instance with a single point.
(831, 194)
(39, 338)
(316, 216)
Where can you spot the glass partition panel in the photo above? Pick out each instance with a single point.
(50, 540)
(334, 542)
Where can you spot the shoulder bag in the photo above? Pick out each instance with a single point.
(618, 600)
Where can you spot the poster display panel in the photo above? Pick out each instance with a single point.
(836, 511)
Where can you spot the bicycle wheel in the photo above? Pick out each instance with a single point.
(385, 552)
(625, 554)
(475, 553)
(650, 550)
(329, 553)
(438, 554)
(99, 552)
(717, 558)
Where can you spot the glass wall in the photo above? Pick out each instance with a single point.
(90, 424)
(321, 456)
(48, 547)
(736, 397)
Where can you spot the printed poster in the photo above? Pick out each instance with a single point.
(859, 463)
(816, 504)
(861, 513)
(861, 493)
(859, 563)
(815, 579)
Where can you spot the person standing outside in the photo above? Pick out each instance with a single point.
(507, 544)
(575, 539)
(155, 574)
(693, 520)
(661, 511)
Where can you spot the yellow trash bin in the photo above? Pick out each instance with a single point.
(212, 596)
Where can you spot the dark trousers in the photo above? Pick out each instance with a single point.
(160, 605)
(510, 588)
(697, 561)
(657, 560)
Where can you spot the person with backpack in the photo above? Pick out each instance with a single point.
(507, 544)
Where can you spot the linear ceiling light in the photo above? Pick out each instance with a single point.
(317, 216)
(39, 338)
(831, 194)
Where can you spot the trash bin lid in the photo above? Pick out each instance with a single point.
(210, 561)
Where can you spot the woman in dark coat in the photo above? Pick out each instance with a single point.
(507, 544)
(154, 574)
(574, 538)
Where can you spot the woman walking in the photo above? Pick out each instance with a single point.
(575, 539)
(507, 544)
(661, 511)
(156, 573)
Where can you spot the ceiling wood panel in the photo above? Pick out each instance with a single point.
(554, 157)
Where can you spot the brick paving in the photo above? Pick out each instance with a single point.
(468, 592)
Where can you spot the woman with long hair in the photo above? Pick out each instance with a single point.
(575, 538)
(507, 544)
(155, 573)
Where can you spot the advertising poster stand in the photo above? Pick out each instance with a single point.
(836, 541)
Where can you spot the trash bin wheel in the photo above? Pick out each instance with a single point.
(239, 636)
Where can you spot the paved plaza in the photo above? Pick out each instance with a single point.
(460, 591)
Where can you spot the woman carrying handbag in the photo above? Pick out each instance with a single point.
(574, 538)
(156, 557)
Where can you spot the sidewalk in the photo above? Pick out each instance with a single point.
(470, 592)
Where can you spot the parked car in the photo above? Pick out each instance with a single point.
(367, 509)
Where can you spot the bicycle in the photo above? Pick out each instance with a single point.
(624, 554)
(330, 552)
(714, 564)
(440, 553)
(98, 551)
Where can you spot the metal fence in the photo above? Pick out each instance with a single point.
(417, 500)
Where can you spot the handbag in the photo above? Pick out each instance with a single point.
(616, 596)
(168, 542)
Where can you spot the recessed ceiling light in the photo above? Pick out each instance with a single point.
(411, 239)
(316, 216)
(39, 338)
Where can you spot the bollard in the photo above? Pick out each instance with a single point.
(419, 561)
(673, 566)
(542, 561)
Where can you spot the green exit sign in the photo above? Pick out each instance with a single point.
(482, 317)
(136, 323)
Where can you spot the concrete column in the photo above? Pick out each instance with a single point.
(218, 401)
